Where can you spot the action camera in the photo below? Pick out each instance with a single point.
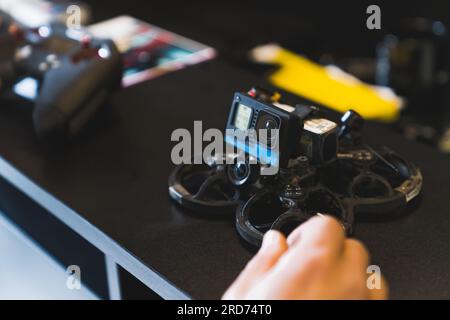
(278, 132)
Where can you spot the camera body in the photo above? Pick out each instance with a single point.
(272, 130)
(289, 131)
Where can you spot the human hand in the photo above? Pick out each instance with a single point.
(316, 261)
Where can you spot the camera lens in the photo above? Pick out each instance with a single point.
(239, 173)
(267, 122)
(270, 124)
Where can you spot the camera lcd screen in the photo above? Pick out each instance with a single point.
(242, 117)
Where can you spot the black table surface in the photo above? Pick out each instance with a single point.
(115, 177)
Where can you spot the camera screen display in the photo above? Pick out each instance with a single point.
(242, 117)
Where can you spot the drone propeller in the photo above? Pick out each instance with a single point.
(204, 188)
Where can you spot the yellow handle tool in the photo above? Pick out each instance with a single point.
(329, 85)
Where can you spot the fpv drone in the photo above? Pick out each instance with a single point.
(322, 167)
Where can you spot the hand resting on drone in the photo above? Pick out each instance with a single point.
(316, 261)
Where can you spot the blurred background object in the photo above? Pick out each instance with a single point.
(35, 13)
(328, 85)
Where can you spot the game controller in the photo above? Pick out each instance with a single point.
(73, 77)
(330, 171)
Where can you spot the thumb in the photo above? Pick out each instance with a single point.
(273, 247)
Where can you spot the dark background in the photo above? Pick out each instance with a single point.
(311, 27)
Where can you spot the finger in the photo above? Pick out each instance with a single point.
(356, 254)
(353, 265)
(273, 247)
(357, 259)
(294, 236)
(319, 232)
(314, 253)
(381, 293)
